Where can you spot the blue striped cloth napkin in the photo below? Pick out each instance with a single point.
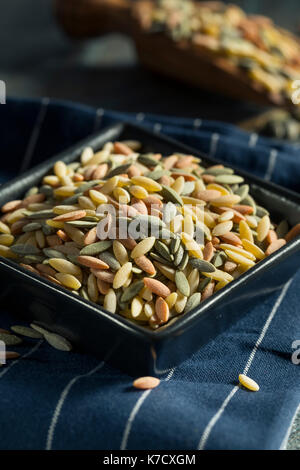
(55, 400)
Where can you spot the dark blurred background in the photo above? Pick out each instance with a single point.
(37, 59)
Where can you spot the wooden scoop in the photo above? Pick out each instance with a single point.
(180, 60)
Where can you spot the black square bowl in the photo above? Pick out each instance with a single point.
(126, 345)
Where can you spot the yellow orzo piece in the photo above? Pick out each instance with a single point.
(247, 254)
(97, 197)
(110, 301)
(220, 285)
(6, 252)
(110, 185)
(263, 228)
(245, 231)
(147, 183)
(180, 302)
(239, 258)
(178, 185)
(51, 180)
(191, 245)
(68, 280)
(142, 247)
(228, 200)
(64, 191)
(122, 275)
(254, 249)
(218, 187)
(121, 195)
(65, 266)
(64, 209)
(120, 252)
(6, 239)
(138, 191)
(171, 299)
(86, 155)
(248, 383)
(55, 223)
(60, 169)
(14, 217)
(219, 275)
(136, 307)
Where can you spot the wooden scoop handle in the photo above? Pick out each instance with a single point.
(89, 18)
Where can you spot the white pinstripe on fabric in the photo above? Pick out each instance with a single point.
(161, 371)
(271, 164)
(30, 352)
(98, 118)
(131, 418)
(64, 395)
(287, 435)
(140, 117)
(213, 144)
(253, 140)
(34, 135)
(135, 411)
(157, 127)
(207, 431)
(197, 123)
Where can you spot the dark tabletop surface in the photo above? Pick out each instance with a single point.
(37, 60)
